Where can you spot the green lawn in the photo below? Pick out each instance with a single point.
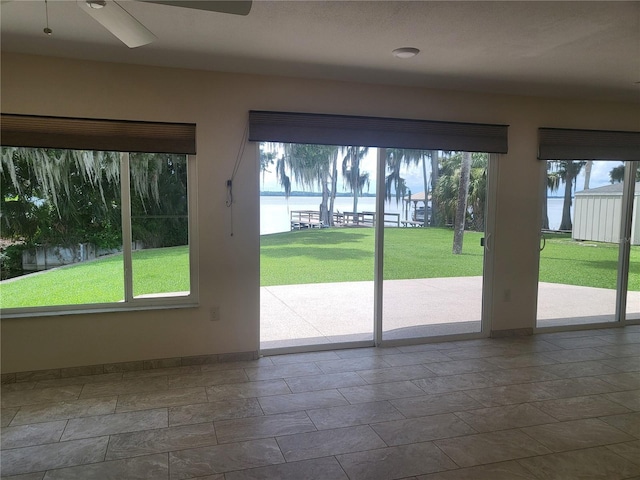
(317, 256)
(313, 256)
(160, 270)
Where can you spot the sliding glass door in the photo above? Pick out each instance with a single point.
(590, 252)
(317, 212)
(434, 253)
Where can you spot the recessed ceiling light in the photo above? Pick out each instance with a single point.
(405, 52)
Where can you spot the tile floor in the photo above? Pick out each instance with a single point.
(554, 406)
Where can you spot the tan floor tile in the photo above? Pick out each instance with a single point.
(282, 371)
(504, 417)
(261, 388)
(207, 379)
(125, 387)
(395, 462)
(629, 399)
(628, 450)
(588, 463)
(423, 429)
(627, 422)
(490, 447)
(167, 398)
(197, 462)
(349, 415)
(49, 412)
(325, 443)
(100, 425)
(44, 395)
(160, 440)
(301, 401)
(564, 409)
(6, 415)
(252, 428)
(57, 455)
(510, 394)
(497, 471)
(151, 467)
(326, 468)
(214, 411)
(324, 382)
(425, 405)
(453, 383)
(395, 374)
(381, 391)
(514, 376)
(35, 434)
(576, 434)
(352, 364)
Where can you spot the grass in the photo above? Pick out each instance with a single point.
(346, 255)
(312, 256)
(159, 270)
(318, 256)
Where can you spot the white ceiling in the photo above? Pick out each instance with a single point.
(575, 49)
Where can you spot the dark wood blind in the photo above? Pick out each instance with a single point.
(325, 129)
(96, 134)
(568, 144)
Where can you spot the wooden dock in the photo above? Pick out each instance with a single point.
(305, 219)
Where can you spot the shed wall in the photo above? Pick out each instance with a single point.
(598, 217)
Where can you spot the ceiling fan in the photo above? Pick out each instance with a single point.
(132, 33)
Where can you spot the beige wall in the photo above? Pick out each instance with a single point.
(229, 265)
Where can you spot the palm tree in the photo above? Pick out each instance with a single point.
(445, 194)
(354, 179)
(396, 159)
(461, 207)
(587, 174)
(568, 171)
(552, 185)
(616, 175)
(435, 173)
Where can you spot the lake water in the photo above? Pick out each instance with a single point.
(275, 212)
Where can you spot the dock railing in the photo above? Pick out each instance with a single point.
(303, 219)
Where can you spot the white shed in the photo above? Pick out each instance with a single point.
(598, 214)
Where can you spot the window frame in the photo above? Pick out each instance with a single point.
(129, 302)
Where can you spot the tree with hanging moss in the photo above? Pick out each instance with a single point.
(66, 197)
(60, 196)
(312, 166)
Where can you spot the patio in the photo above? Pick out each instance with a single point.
(295, 315)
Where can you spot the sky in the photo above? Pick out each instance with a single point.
(414, 179)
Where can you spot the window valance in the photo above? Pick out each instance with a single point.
(324, 129)
(97, 134)
(569, 144)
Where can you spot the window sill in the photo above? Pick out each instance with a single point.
(141, 304)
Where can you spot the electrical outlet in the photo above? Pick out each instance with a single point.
(214, 314)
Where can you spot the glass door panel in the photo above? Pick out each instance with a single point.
(317, 212)
(633, 293)
(580, 243)
(433, 277)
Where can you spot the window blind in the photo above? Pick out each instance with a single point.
(323, 129)
(97, 134)
(568, 144)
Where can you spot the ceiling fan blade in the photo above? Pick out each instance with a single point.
(235, 7)
(120, 23)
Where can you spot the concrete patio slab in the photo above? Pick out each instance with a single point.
(313, 314)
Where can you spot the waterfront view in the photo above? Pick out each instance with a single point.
(275, 211)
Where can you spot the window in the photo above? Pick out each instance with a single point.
(87, 229)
